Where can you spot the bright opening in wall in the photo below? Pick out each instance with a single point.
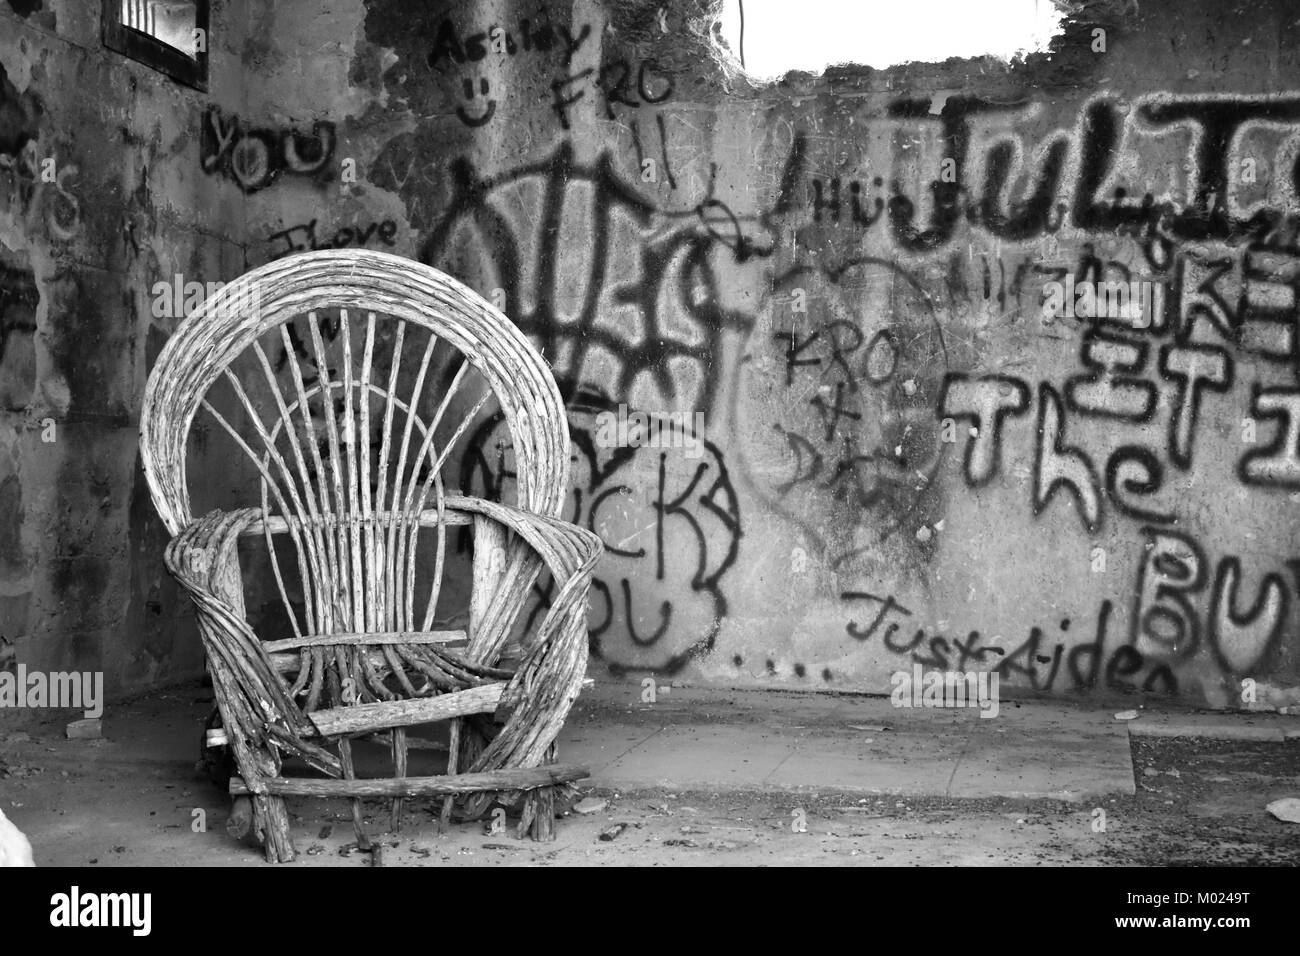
(774, 37)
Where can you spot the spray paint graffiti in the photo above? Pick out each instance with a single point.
(37, 181)
(493, 46)
(976, 166)
(844, 384)
(303, 238)
(615, 292)
(1038, 662)
(671, 526)
(919, 237)
(19, 299)
(254, 157)
(1218, 313)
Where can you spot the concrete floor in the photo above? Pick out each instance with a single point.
(707, 776)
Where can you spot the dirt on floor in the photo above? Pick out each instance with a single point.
(1198, 802)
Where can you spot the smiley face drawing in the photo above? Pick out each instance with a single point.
(488, 112)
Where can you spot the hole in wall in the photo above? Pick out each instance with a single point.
(770, 38)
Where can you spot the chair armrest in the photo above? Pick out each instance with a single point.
(538, 697)
(256, 704)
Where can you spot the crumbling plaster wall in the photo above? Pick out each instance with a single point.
(101, 197)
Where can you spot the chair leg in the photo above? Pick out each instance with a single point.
(271, 823)
(453, 761)
(345, 758)
(399, 770)
(542, 802)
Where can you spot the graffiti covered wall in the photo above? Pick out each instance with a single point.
(963, 365)
(966, 365)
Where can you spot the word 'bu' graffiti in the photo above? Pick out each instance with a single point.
(1180, 605)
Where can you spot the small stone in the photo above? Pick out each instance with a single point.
(91, 728)
(909, 386)
(590, 805)
(924, 534)
(1287, 809)
(1127, 715)
(612, 833)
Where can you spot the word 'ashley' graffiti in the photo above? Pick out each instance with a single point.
(69, 690)
(919, 688)
(639, 430)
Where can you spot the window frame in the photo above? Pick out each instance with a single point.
(152, 52)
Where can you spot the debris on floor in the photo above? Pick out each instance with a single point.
(1287, 809)
(612, 833)
(88, 728)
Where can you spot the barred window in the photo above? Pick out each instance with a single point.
(169, 35)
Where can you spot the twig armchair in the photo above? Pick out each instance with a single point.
(344, 430)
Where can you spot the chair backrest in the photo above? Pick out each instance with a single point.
(349, 376)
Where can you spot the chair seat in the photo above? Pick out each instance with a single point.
(361, 718)
(376, 637)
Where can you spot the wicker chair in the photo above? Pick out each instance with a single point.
(344, 504)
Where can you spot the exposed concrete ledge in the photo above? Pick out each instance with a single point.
(1217, 726)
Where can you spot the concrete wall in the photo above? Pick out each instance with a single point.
(101, 196)
(905, 459)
